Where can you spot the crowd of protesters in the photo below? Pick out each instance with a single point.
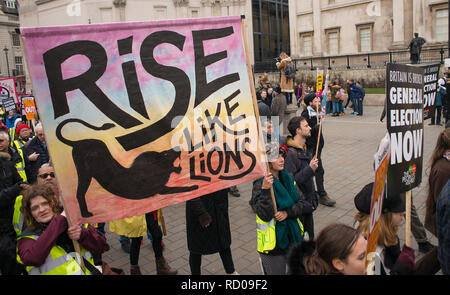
(36, 237)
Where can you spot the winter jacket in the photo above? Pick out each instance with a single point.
(10, 188)
(334, 92)
(287, 85)
(262, 205)
(35, 145)
(279, 105)
(297, 164)
(217, 236)
(440, 96)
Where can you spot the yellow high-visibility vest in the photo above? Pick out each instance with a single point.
(59, 262)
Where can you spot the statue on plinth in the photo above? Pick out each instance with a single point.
(415, 47)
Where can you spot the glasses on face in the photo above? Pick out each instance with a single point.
(45, 175)
(2, 140)
(37, 206)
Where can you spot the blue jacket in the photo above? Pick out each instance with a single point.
(439, 94)
(353, 92)
(9, 122)
(360, 93)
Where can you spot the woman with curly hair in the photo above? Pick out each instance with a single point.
(45, 247)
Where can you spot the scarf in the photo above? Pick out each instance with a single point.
(287, 231)
(311, 112)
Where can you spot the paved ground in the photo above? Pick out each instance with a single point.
(350, 143)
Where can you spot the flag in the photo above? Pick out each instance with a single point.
(324, 99)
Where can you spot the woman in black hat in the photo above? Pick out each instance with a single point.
(394, 260)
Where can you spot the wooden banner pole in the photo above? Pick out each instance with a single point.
(408, 219)
(255, 102)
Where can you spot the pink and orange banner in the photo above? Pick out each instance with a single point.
(143, 115)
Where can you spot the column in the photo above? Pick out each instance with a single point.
(399, 22)
(317, 50)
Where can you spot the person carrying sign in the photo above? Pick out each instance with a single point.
(302, 166)
(393, 260)
(277, 231)
(310, 113)
(287, 68)
(45, 246)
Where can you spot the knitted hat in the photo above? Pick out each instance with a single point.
(308, 98)
(20, 127)
(363, 200)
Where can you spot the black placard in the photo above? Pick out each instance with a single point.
(404, 110)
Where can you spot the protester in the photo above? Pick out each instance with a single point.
(16, 156)
(338, 249)
(11, 185)
(278, 109)
(162, 266)
(302, 166)
(350, 92)
(287, 84)
(48, 238)
(335, 97)
(134, 228)
(443, 228)
(208, 230)
(393, 260)
(438, 176)
(265, 98)
(263, 108)
(11, 118)
(441, 93)
(446, 99)
(277, 231)
(24, 135)
(359, 98)
(310, 113)
(36, 152)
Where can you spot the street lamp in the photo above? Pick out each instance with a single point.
(7, 62)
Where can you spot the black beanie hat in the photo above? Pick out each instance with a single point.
(308, 98)
(394, 204)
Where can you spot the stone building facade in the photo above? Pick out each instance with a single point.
(11, 57)
(340, 27)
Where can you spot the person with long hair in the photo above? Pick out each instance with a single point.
(45, 247)
(393, 260)
(439, 175)
(338, 249)
(277, 231)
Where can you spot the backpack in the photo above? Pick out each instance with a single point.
(290, 70)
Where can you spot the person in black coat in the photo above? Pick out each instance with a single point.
(36, 152)
(301, 165)
(208, 230)
(11, 185)
(310, 113)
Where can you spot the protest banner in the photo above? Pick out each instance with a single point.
(381, 159)
(142, 115)
(29, 107)
(8, 89)
(8, 104)
(319, 82)
(404, 108)
(429, 89)
(405, 126)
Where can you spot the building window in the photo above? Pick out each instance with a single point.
(194, 13)
(365, 33)
(11, 4)
(333, 41)
(19, 64)
(15, 39)
(441, 25)
(306, 41)
(270, 28)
